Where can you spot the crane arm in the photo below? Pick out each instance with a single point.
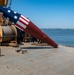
(26, 25)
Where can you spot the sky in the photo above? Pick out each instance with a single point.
(47, 13)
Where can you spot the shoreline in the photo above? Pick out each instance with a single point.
(66, 46)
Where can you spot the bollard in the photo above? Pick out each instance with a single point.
(0, 51)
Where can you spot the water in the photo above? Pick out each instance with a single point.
(61, 36)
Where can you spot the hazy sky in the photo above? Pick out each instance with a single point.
(47, 13)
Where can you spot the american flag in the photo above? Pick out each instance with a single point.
(20, 21)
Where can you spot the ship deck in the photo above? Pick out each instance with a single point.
(39, 60)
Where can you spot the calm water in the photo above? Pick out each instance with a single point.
(61, 36)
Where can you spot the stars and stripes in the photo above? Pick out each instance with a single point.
(19, 20)
(22, 23)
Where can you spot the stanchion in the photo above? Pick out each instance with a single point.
(0, 51)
